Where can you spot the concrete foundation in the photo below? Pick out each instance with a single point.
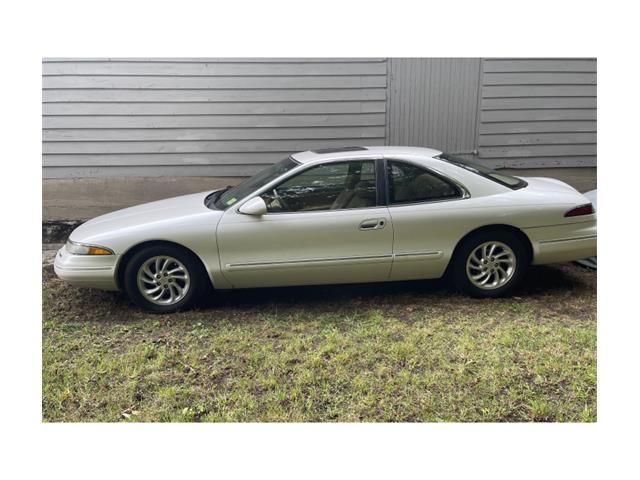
(83, 198)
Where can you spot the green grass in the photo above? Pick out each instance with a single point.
(398, 352)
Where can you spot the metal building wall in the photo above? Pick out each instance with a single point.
(229, 117)
(203, 117)
(519, 113)
(538, 113)
(433, 102)
(118, 132)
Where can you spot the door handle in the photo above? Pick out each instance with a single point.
(373, 224)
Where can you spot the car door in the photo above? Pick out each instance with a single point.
(428, 217)
(325, 224)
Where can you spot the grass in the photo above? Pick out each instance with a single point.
(401, 352)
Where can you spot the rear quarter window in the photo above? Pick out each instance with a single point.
(412, 184)
(502, 178)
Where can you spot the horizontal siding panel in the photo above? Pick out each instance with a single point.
(538, 127)
(216, 60)
(233, 116)
(530, 78)
(538, 151)
(240, 170)
(538, 112)
(150, 160)
(537, 139)
(181, 83)
(206, 116)
(212, 68)
(106, 95)
(538, 102)
(502, 91)
(553, 65)
(198, 134)
(204, 146)
(213, 121)
(209, 108)
(537, 115)
(542, 162)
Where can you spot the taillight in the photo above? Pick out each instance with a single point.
(581, 210)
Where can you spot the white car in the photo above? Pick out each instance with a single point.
(357, 214)
(591, 262)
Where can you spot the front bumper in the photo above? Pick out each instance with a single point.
(94, 271)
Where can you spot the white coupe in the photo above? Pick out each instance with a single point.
(350, 215)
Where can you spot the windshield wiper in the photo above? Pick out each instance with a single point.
(213, 197)
(221, 191)
(216, 195)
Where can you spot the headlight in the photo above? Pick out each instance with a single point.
(80, 249)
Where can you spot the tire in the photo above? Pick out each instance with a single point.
(178, 277)
(489, 273)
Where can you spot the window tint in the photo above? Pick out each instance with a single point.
(502, 178)
(410, 183)
(326, 187)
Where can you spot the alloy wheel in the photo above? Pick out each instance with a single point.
(491, 265)
(163, 280)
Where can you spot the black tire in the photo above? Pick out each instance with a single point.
(459, 273)
(199, 282)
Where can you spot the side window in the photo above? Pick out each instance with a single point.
(410, 183)
(326, 187)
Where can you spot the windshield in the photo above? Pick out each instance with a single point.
(502, 178)
(231, 195)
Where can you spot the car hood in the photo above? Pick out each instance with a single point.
(171, 213)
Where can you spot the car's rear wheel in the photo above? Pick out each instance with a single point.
(164, 278)
(490, 264)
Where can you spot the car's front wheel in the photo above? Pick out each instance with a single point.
(164, 278)
(489, 264)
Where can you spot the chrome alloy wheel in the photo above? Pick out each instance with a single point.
(163, 280)
(491, 265)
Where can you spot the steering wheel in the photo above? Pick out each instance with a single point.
(281, 200)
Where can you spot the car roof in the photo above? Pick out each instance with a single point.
(361, 152)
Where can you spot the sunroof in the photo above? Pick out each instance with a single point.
(339, 150)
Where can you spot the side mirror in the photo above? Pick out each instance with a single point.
(255, 206)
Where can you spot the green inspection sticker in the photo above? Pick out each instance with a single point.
(232, 200)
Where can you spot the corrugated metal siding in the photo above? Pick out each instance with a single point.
(211, 117)
(538, 113)
(433, 102)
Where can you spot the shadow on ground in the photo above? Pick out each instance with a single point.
(539, 280)
(549, 286)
